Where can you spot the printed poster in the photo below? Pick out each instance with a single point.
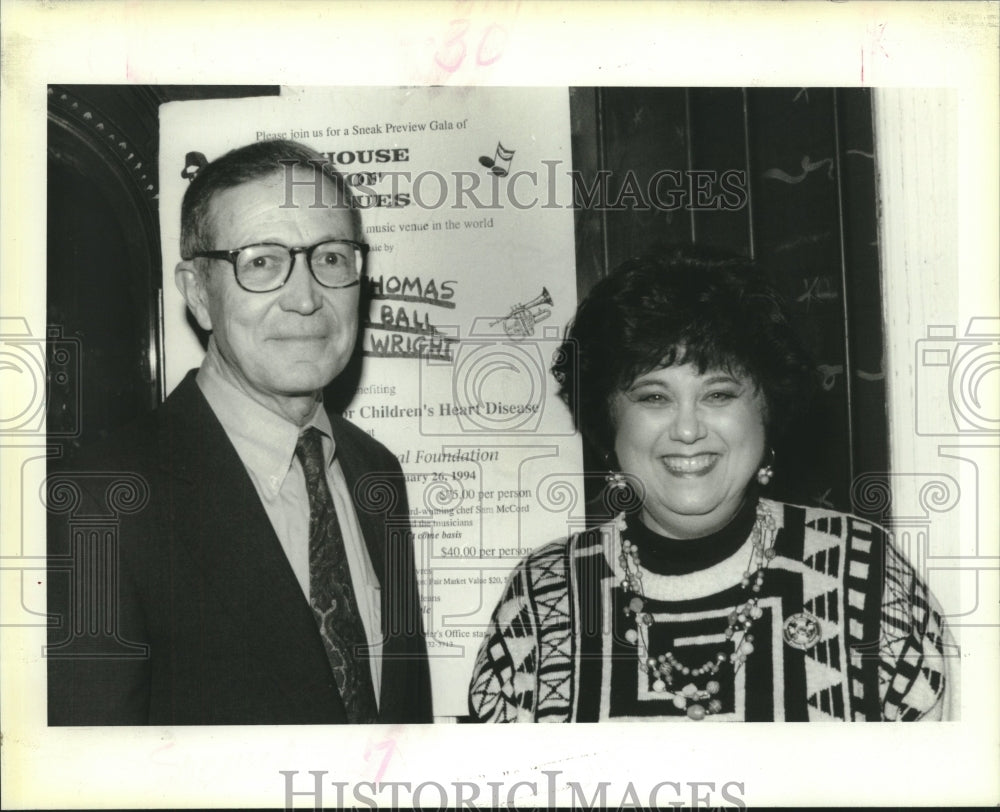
(465, 198)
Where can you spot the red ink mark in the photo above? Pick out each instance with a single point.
(452, 54)
(456, 41)
(155, 755)
(875, 37)
(496, 50)
(878, 40)
(389, 745)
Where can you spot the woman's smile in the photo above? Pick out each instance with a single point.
(690, 465)
(711, 426)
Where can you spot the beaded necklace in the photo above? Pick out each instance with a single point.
(666, 668)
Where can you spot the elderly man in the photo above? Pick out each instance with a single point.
(266, 574)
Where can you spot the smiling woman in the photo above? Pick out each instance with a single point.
(701, 597)
(694, 440)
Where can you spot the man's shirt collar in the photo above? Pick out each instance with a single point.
(265, 441)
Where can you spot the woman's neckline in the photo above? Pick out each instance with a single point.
(669, 556)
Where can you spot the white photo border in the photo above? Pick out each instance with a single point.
(885, 45)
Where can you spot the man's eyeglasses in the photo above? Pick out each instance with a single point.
(263, 267)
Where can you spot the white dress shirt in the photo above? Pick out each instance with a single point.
(265, 442)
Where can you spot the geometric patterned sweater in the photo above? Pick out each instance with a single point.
(848, 632)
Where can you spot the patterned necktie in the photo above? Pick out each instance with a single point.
(331, 593)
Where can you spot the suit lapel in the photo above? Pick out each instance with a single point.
(365, 494)
(379, 496)
(238, 555)
(368, 497)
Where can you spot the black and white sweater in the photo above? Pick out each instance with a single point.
(557, 648)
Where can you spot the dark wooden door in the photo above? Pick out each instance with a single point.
(804, 158)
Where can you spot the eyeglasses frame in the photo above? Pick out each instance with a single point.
(231, 255)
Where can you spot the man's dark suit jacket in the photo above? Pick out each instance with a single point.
(212, 626)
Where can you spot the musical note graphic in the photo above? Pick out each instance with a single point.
(499, 164)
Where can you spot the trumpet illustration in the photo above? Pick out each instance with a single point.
(521, 321)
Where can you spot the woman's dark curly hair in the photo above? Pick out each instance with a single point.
(679, 306)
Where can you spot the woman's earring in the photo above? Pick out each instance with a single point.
(614, 479)
(765, 474)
